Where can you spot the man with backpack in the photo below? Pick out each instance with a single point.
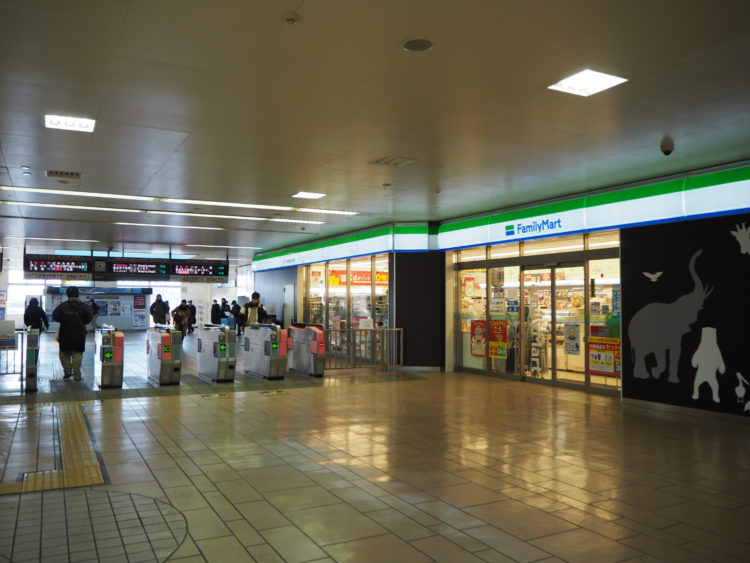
(73, 316)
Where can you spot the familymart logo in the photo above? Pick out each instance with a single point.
(535, 226)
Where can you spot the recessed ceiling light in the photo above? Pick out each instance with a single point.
(328, 211)
(170, 226)
(78, 194)
(26, 173)
(225, 204)
(25, 168)
(587, 82)
(63, 206)
(309, 195)
(69, 123)
(298, 221)
(222, 246)
(207, 215)
(417, 45)
(53, 239)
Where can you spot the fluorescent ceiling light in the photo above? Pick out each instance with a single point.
(54, 239)
(553, 249)
(69, 123)
(208, 215)
(80, 194)
(309, 195)
(63, 206)
(326, 211)
(170, 226)
(222, 246)
(298, 221)
(587, 82)
(225, 204)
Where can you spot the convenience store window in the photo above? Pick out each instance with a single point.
(554, 245)
(604, 343)
(338, 277)
(472, 287)
(382, 281)
(316, 296)
(360, 288)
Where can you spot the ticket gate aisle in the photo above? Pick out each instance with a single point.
(109, 347)
(164, 351)
(307, 349)
(264, 351)
(217, 353)
(32, 360)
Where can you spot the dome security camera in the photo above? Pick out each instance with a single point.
(667, 145)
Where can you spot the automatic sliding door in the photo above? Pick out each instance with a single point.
(570, 325)
(537, 331)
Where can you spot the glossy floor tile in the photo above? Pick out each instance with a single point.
(364, 466)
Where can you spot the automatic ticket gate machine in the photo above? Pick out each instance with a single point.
(217, 355)
(307, 349)
(264, 350)
(164, 351)
(32, 360)
(109, 351)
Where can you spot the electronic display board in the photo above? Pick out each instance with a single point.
(56, 264)
(200, 268)
(138, 268)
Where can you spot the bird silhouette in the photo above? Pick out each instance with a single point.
(740, 389)
(653, 277)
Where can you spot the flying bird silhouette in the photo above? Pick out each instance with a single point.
(653, 277)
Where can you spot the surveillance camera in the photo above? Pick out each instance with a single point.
(667, 146)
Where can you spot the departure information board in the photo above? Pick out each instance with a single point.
(211, 269)
(138, 268)
(56, 265)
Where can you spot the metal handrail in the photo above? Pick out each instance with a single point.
(350, 348)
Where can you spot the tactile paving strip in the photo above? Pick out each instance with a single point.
(80, 465)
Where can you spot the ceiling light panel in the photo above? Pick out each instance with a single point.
(222, 246)
(170, 226)
(225, 204)
(73, 193)
(207, 215)
(69, 123)
(309, 195)
(297, 221)
(325, 211)
(64, 206)
(587, 83)
(53, 239)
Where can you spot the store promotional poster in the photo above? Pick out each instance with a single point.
(685, 307)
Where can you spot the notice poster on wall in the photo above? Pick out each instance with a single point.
(139, 320)
(139, 302)
(616, 301)
(604, 356)
(478, 340)
(498, 339)
(469, 286)
(572, 344)
(114, 308)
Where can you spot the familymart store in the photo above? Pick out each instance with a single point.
(540, 298)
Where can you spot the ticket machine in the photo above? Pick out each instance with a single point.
(217, 353)
(32, 359)
(264, 351)
(307, 348)
(109, 351)
(164, 351)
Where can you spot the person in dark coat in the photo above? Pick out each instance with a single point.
(73, 316)
(35, 317)
(181, 316)
(225, 308)
(192, 318)
(94, 311)
(159, 311)
(215, 313)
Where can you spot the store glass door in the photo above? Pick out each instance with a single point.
(504, 330)
(536, 287)
(570, 324)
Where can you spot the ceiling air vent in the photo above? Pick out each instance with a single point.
(62, 174)
(394, 161)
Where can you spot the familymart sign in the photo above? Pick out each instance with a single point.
(535, 227)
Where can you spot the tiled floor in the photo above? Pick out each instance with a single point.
(442, 467)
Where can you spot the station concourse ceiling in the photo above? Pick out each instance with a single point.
(227, 101)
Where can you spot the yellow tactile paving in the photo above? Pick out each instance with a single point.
(80, 466)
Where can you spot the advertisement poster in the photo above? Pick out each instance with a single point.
(114, 309)
(139, 302)
(469, 287)
(478, 342)
(139, 320)
(2, 313)
(572, 339)
(596, 308)
(498, 339)
(616, 301)
(604, 356)
(513, 306)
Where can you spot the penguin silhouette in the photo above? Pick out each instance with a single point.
(740, 389)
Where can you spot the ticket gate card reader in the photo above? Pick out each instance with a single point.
(108, 356)
(307, 349)
(217, 353)
(164, 351)
(264, 349)
(32, 360)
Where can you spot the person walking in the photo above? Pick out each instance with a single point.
(94, 312)
(215, 313)
(181, 316)
(192, 317)
(225, 308)
(159, 311)
(73, 316)
(35, 317)
(254, 311)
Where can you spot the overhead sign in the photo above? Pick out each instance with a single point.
(42, 266)
(200, 268)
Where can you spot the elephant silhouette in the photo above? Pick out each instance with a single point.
(658, 328)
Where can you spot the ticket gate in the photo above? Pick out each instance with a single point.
(217, 353)
(307, 349)
(32, 360)
(264, 351)
(109, 348)
(164, 351)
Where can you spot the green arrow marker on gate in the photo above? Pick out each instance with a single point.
(222, 347)
(274, 346)
(166, 348)
(108, 355)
